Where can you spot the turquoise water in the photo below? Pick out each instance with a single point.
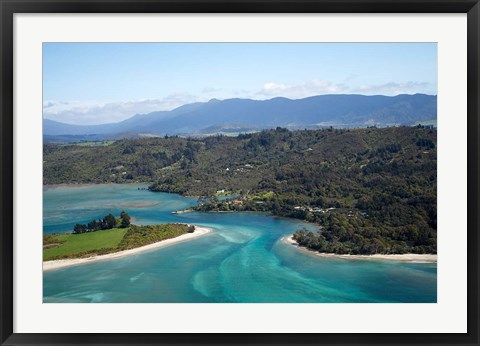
(242, 260)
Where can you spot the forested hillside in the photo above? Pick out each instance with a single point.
(372, 190)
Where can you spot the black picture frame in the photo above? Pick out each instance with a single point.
(9, 7)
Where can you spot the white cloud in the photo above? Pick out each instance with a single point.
(274, 87)
(396, 88)
(94, 112)
(320, 87)
(48, 104)
(310, 88)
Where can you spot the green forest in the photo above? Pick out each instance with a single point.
(370, 190)
(108, 222)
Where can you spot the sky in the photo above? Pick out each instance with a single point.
(94, 83)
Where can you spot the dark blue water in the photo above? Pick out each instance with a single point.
(243, 260)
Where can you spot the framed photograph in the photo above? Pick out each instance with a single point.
(239, 173)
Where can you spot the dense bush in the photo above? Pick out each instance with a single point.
(382, 182)
(143, 235)
(108, 222)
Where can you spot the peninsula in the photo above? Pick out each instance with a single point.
(409, 257)
(100, 241)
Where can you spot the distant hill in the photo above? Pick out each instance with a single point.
(341, 111)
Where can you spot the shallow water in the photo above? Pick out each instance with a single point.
(242, 260)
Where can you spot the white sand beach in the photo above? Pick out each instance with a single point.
(57, 264)
(410, 257)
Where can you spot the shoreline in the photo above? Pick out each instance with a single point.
(53, 186)
(183, 211)
(409, 257)
(63, 263)
(74, 185)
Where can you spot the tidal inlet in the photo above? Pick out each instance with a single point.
(311, 180)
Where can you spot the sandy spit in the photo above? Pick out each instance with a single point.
(58, 264)
(409, 257)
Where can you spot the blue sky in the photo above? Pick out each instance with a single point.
(92, 83)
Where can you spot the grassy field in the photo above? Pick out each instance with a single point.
(58, 246)
(74, 244)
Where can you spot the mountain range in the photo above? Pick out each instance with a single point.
(242, 115)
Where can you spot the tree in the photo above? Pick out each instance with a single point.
(79, 228)
(93, 225)
(183, 164)
(109, 221)
(125, 219)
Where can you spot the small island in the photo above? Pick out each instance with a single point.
(109, 238)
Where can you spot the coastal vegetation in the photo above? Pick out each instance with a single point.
(138, 236)
(370, 190)
(108, 222)
(62, 246)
